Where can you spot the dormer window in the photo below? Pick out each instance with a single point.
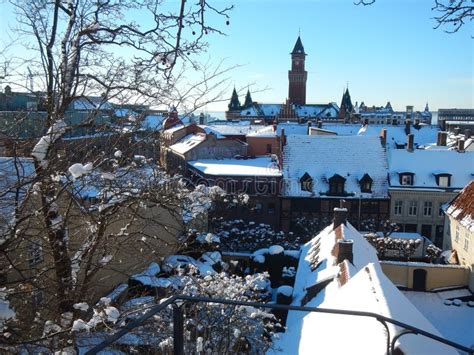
(366, 183)
(406, 179)
(336, 185)
(443, 180)
(306, 182)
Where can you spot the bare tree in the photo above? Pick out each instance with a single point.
(60, 237)
(449, 14)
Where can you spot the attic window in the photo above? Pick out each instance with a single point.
(443, 180)
(366, 183)
(406, 178)
(336, 185)
(306, 182)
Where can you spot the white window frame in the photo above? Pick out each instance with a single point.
(428, 209)
(443, 181)
(413, 208)
(398, 208)
(407, 180)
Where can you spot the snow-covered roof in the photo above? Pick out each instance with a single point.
(91, 103)
(233, 129)
(188, 142)
(292, 128)
(152, 122)
(260, 166)
(395, 134)
(16, 175)
(359, 286)
(264, 131)
(424, 164)
(124, 112)
(322, 157)
(461, 207)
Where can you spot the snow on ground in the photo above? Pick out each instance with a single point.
(453, 322)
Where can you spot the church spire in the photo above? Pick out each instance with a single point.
(298, 49)
(248, 100)
(234, 104)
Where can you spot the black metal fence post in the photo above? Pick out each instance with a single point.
(178, 330)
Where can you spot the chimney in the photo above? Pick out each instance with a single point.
(366, 122)
(461, 145)
(340, 217)
(467, 133)
(320, 123)
(407, 126)
(410, 142)
(274, 127)
(283, 137)
(309, 127)
(457, 130)
(201, 118)
(417, 123)
(442, 138)
(383, 137)
(344, 250)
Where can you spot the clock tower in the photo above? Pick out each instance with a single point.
(297, 75)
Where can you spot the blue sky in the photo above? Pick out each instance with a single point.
(387, 51)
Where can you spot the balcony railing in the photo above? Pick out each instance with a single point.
(178, 322)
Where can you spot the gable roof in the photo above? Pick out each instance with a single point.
(360, 286)
(424, 164)
(461, 208)
(322, 157)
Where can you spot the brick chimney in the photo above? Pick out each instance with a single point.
(320, 123)
(467, 133)
(407, 126)
(442, 139)
(340, 217)
(461, 145)
(457, 130)
(410, 142)
(344, 250)
(283, 137)
(383, 137)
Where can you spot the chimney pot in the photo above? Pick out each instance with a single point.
(457, 130)
(410, 142)
(344, 250)
(442, 138)
(407, 126)
(340, 217)
(383, 137)
(461, 145)
(283, 137)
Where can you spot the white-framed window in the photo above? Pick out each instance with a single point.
(398, 208)
(456, 234)
(443, 181)
(35, 253)
(406, 179)
(413, 208)
(440, 210)
(427, 208)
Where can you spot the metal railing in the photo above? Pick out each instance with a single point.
(178, 322)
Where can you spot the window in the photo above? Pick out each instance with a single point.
(35, 253)
(406, 179)
(306, 182)
(366, 183)
(336, 185)
(258, 208)
(456, 235)
(412, 208)
(398, 208)
(440, 210)
(443, 180)
(269, 148)
(427, 208)
(466, 242)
